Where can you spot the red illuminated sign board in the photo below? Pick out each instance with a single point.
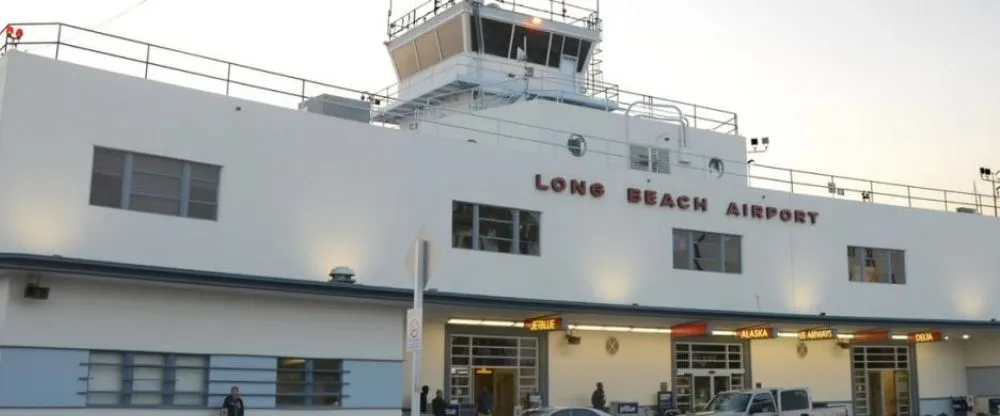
(871, 336)
(817, 334)
(760, 332)
(922, 337)
(544, 324)
(680, 202)
(690, 330)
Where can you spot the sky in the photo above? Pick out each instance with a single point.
(893, 90)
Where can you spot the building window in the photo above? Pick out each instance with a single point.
(497, 229)
(876, 265)
(713, 252)
(147, 183)
(308, 382)
(649, 159)
(146, 379)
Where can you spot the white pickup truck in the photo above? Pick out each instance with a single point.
(768, 402)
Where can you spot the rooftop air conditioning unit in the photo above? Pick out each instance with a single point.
(340, 107)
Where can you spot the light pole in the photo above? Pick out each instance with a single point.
(990, 176)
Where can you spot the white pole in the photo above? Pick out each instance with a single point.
(419, 280)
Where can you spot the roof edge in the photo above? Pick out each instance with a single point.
(136, 272)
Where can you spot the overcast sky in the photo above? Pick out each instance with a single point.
(896, 90)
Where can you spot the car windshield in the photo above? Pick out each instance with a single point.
(728, 402)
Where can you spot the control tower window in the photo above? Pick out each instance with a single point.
(555, 50)
(496, 37)
(584, 50)
(534, 42)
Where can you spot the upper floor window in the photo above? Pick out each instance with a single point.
(649, 159)
(876, 265)
(493, 228)
(713, 252)
(309, 382)
(146, 379)
(147, 183)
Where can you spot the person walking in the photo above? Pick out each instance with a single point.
(597, 399)
(233, 404)
(439, 406)
(423, 399)
(484, 403)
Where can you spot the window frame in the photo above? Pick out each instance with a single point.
(307, 392)
(858, 256)
(689, 255)
(168, 381)
(656, 159)
(517, 241)
(128, 174)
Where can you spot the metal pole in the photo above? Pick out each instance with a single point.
(419, 281)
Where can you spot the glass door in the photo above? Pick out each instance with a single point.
(706, 387)
(703, 391)
(902, 393)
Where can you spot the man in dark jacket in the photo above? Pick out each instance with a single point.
(438, 405)
(597, 397)
(423, 399)
(233, 404)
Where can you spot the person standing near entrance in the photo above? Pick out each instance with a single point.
(484, 403)
(597, 400)
(233, 404)
(438, 405)
(423, 399)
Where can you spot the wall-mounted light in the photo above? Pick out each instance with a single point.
(759, 145)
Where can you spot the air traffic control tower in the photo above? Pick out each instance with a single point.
(475, 54)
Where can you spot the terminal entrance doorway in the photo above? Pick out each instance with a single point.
(505, 366)
(502, 387)
(881, 380)
(704, 369)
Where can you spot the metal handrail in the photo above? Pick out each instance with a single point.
(617, 99)
(575, 15)
(788, 180)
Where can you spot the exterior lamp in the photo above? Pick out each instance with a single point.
(342, 274)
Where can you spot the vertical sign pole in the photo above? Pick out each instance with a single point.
(419, 281)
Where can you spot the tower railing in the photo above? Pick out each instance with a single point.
(581, 13)
(614, 98)
(145, 60)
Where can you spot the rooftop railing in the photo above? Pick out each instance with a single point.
(144, 60)
(561, 88)
(582, 13)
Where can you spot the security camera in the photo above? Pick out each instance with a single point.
(341, 274)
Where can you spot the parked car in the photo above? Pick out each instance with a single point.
(768, 402)
(565, 411)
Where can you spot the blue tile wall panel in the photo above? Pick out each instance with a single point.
(372, 384)
(41, 377)
(255, 376)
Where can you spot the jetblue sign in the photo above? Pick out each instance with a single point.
(627, 408)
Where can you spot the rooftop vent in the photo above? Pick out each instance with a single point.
(340, 107)
(341, 274)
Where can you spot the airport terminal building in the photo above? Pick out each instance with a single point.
(163, 240)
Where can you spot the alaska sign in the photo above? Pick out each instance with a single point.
(680, 202)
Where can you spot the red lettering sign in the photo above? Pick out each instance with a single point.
(690, 330)
(871, 336)
(559, 184)
(653, 198)
(665, 200)
(761, 212)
